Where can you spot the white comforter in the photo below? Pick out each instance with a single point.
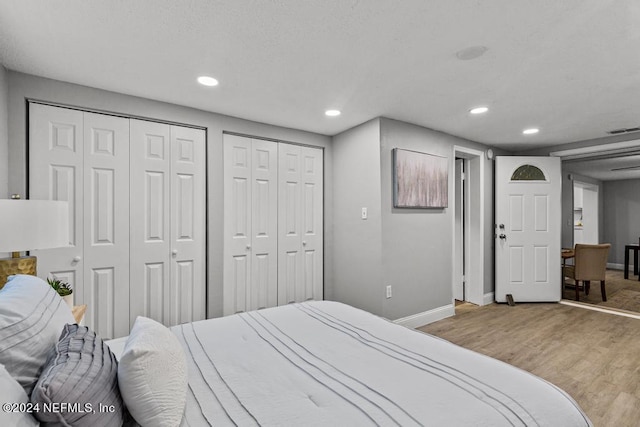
(328, 364)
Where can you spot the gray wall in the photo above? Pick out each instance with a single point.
(622, 216)
(4, 133)
(22, 86)
(358, 243)
(417, 245)
(409, 249)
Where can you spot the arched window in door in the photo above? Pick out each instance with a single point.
(528, 173)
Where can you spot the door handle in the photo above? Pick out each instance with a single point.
(503, 236)
(174, 252)
(76, 259)
(248, 247)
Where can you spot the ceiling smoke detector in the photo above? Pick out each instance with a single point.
(471, 52)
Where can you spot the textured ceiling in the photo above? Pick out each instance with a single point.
(569, 67)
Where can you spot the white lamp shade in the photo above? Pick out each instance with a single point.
(33, 224)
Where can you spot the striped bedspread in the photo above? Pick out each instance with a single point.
(328, 364)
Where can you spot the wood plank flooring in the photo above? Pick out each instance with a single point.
(593, 356)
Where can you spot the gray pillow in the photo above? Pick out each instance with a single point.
(81, 370)
(32, 315)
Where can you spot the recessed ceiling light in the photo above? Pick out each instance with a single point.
(207, 81)
(479, 110)
(530, 131)
(332, 113)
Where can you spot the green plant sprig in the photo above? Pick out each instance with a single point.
(63, 289)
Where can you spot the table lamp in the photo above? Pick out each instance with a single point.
(28, 225)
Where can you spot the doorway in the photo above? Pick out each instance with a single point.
(585, 213)
(468, 226)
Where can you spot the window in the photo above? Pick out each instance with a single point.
(528, 173)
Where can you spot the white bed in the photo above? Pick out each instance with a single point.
(325, 363)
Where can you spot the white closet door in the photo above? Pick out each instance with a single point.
(106, 224)
(187, 294)
(168, 229)
(150, 226)
(250, 224)
(55, 173)
(83, 158)
(300, 224)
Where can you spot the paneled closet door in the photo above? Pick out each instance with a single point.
(150, 225)
(56, 159)
(250, 276)
(106, 224)
(187, 293)
(300, 223)
(167, 223)
(83, 158)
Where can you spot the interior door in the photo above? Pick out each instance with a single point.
(150, 236)
(83, 158)
(106, 224)
(250, 273)
(56, 156)
(528, 228)
(300, 223)
(187, 290)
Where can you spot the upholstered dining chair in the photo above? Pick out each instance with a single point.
(590, 264)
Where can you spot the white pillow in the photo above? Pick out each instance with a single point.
(32, 316)
(152, 375)
(11, 392)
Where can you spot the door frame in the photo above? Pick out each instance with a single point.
(593, 209)
(474, 236)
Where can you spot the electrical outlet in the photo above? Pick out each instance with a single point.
(389, 291)
(364, 213)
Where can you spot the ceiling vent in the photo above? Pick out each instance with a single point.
(619, 131)
(625, 168)
(611, 150)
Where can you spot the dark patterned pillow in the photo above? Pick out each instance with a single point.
(79, 384)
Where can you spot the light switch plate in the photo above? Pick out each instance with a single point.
(364, 213)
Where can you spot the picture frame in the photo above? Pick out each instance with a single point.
(420, 180)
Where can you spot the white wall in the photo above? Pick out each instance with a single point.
(23, 86)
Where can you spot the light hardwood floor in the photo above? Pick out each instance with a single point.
(593, 356)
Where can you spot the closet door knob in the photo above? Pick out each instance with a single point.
(76, 259)
(174, 252)
(304, 243)
(248, 247)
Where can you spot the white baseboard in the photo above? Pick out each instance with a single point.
(426, 317)
(488, 298)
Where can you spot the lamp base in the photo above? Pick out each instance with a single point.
(21, 265)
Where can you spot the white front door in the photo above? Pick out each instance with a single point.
(528, 228)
